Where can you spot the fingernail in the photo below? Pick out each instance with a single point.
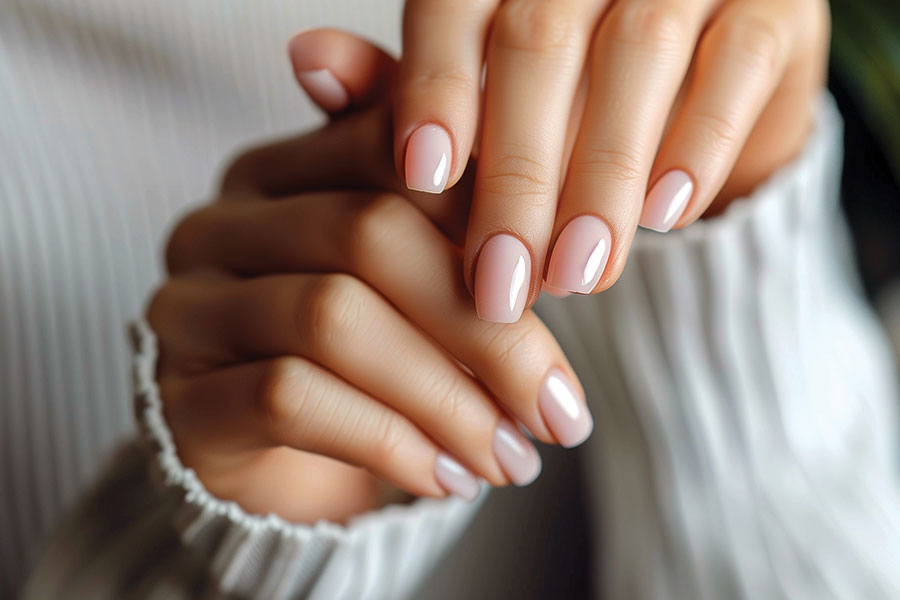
(455, 478)
(325, 89)
(580, 255)
(554, 292)
(428, 156)
(667, 200)
(518, 457)
(502, 279)
(564, 409)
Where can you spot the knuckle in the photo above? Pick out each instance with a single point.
(657, 26)
(283, 394)
(621, 166)
(507, 348)
(717, 134)
(183, 243)
(387, 443)
(752, 40)
(330, 313)
(371, 228)
(451, 401)
(239, 171)
(161, 306)
(453, 82)
(537, 25)
(529, 180)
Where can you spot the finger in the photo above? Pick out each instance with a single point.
(642, 51)
(341, 71)
(389, 244)
(535, 58)
(740, 62)
(438, 91)
(353, 152)
(343, 325)
(293, 402)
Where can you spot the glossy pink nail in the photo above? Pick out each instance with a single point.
(564, 410)
(325, 89)
(428, 157)
(667, 200)
(455, 478)
(580, 255)
(517, 456)
(502, 279)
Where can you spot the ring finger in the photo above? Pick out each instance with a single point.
(343, 325)
(386, 242)
(642, 52)
(534, 61)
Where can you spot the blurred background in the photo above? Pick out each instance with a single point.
(865, 80)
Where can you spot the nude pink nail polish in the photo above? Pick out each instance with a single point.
(502, 279)
(323, 87)
(455, 478)
(564, 410)
(518, 457)
(580, 255)
(428, 158)
(556, 293)
(667, 200)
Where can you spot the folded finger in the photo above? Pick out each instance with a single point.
(389, 244)
(341, 71)
(294, 402)
(341, 324)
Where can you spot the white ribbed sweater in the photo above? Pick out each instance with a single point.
(745, 442)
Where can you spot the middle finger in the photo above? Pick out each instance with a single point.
(392, 246)
(534, 62)
(642, 52)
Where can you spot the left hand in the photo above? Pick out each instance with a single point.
(700, 99)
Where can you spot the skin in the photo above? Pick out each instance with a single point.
(292, 313)
(300, 324)
(720, 89)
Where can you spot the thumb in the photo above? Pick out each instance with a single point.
(340, 71)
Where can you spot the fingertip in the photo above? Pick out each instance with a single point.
(325, 89)
(359, 73)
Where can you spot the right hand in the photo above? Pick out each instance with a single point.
(303, 324)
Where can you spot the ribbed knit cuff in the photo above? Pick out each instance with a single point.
(382, 554)
(743, 399)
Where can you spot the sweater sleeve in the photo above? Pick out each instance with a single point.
(744, 398)
(149, 528)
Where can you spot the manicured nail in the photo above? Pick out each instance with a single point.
(667, 200)
(502, 279)
(554, 292)
(564, 410)
(325, 89)
(517, 456)
(580, 255)
(455, 478)
(428, 157)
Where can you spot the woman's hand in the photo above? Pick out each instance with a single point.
(699, 98)
(300, 325)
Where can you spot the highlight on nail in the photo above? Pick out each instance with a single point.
(580, 255)
(502, 279)
(428, 159)
(564, 409)
(667, 201)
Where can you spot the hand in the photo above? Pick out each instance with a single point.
(298, 325)
(699, 98)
